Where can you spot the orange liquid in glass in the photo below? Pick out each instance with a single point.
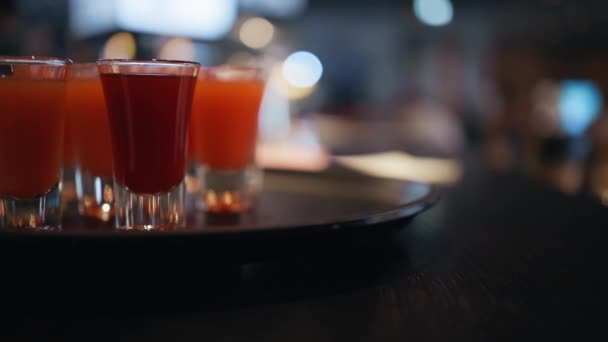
(91, 128)
(68, 144)
(31, 136)
(191, 152)
(224, 122)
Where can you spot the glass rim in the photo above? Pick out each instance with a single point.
(231, 67)
(83, 64)
(147, 62)
(237, 72)
(54, 61)
(83, 71)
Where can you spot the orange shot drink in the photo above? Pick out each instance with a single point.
(31, 141)
(224, 133)
(87, 113)
(68, 189)
(192, 183)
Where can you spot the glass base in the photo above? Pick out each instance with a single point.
(161, 211)
(95, 196)
(68, 185)
(193, 185)
(39, 213)
(229, 191)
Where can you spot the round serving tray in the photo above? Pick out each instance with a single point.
(295, 211)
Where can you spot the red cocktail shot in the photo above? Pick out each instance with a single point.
(149, 105)
(148, 116)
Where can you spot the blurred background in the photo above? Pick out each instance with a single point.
(392, 88)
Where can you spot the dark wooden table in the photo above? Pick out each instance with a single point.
(500, 258)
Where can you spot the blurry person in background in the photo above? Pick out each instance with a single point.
(497, 144)
(518, 70)
(8, 28)
(598, 172)
(428, 128)
(39, 40)
(562, 113)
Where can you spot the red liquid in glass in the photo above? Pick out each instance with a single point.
(149, 122)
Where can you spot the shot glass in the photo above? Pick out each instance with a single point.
(90, 133)
(224, 133)
(68, 188)
(31, 141)
(149, 104)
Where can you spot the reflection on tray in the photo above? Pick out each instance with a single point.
(402, 166)
(303, 199)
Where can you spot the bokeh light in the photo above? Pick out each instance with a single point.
(241, 58)
(177, 49)
(275, 8)
(403, 166)
(579, 105)
(120, 45)
(434, 12)
(256, 33)
(199, 19)
(278, 80)
(302, 69)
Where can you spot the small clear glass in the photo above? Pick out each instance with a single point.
(31, 141)
(224, 134)
(90, 133)
(149, 104)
